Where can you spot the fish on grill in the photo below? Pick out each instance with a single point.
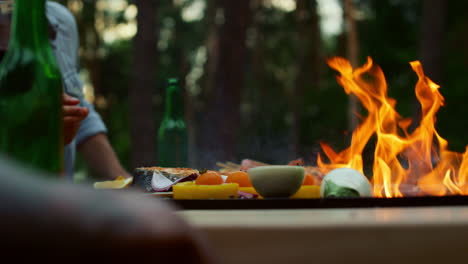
(158, 179)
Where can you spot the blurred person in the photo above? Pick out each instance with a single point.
(45, 220)
(91, 139)
(73, 114)
(84, 129)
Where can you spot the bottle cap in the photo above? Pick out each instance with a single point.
(173, 81)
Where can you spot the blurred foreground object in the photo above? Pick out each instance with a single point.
(31, 91)
(56, 220)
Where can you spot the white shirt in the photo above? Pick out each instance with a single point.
(65, 46)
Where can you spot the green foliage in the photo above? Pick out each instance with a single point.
(265, 135)
(390, 35)
(389, 32)
(452, 117)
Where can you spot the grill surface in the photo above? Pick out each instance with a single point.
(231, 204)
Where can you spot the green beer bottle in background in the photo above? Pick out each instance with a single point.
(31, 92)
(173, 136)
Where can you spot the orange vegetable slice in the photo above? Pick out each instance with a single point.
(209, 178)
(308, 179)
(239, 177)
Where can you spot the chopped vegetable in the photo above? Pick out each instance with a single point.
(239, 177)
(249, 190)
(333, 190)
(345, 182)
(307, 192)
(118, 183)
(190, 190)
(246, 195)
(209, 178)
(308, 179)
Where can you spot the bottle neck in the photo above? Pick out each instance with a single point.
(29, 23)
(174, 103)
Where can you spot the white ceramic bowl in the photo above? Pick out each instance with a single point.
(277, 181)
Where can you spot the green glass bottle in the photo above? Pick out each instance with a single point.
(173, 136)
(31, 92)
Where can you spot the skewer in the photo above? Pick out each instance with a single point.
(222, 165)
(233, 165)
(260, 163)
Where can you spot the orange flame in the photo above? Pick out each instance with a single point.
(405, 163)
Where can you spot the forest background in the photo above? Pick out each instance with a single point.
(254, 73)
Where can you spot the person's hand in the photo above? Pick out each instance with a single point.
(72, 117)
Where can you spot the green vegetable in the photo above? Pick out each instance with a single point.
(333, 190)
(345, 182)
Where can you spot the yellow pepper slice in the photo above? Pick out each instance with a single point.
(190, 190)
(307, 192)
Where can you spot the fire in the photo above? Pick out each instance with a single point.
(406, 162)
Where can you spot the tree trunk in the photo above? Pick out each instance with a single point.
(222, 120)
(90, 42)
(352, 53)
(432, 37)
(309, 60)
(258, 95)
(183, 62)
(212, 47)
(434, 20)
(431, 55)
(207, 83)
(142, 128)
